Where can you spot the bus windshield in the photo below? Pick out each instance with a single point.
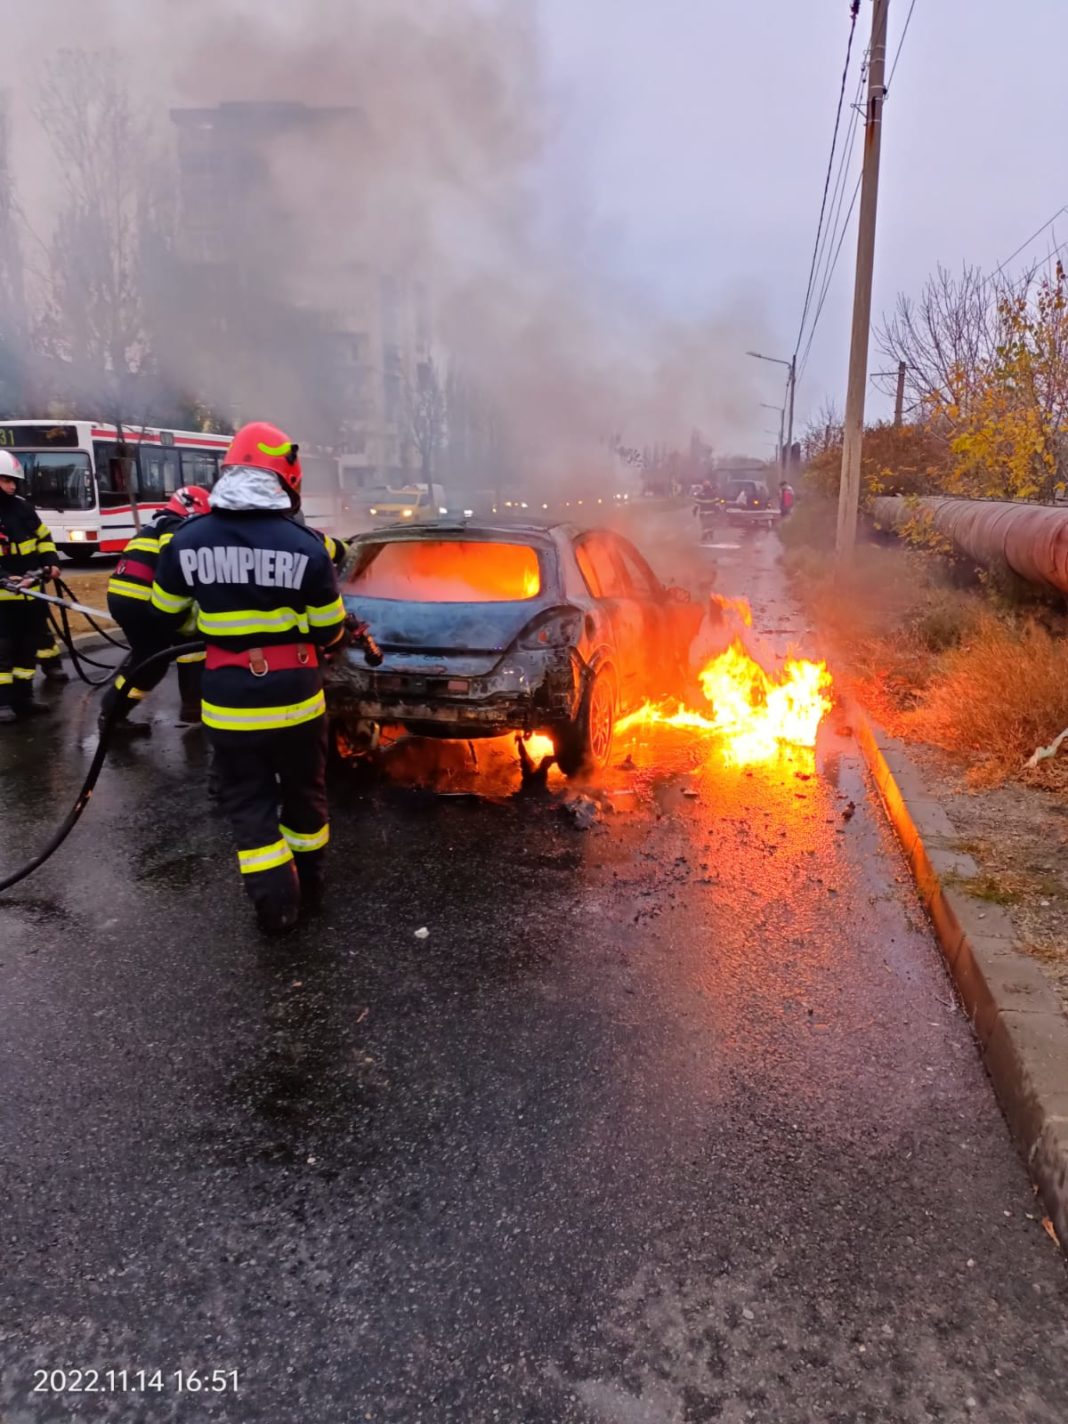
(58, 481)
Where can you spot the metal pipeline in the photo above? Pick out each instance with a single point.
(1030, 540)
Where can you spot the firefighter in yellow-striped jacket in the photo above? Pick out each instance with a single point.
(268, 602)
(26, 547)
(130, 604)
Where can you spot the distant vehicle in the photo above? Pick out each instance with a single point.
(382, 504)
(490, 629)
(749, 502)
(92, 483)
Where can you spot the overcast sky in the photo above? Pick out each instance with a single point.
(696, 133)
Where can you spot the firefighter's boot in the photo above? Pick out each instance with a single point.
(312, 875)
(121, 726)
(24, 704)
(53, 670)
(7, 716)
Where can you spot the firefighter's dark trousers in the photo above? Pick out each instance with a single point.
(145, 636)
(272, 785)
(19, 625)
(48, 650)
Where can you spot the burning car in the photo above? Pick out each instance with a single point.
(487, 630)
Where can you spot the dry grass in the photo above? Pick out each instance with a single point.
(88, 586)
(996, 698)
(937, 663)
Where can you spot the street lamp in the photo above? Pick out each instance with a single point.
(780, 452)
(791, 366)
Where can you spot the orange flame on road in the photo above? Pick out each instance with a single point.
(752, 713)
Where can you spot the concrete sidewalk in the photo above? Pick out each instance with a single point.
(1017, 1018)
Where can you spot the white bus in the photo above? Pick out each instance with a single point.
(93, 483)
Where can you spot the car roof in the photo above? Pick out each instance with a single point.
(498, 529)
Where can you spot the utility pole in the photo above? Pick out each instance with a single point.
(788, 457)
(899, 402)
(849, 489)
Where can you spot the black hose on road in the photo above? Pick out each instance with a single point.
(95, 766)
(62, 631)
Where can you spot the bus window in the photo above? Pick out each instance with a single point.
(116, 473)
(160, 473)
(200, 467)
(59, 481)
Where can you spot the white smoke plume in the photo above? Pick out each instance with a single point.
(434, 175)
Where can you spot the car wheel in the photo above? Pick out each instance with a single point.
(586, 743)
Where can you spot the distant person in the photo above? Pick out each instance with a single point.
(786, 498)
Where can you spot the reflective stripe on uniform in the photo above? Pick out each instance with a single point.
(268, 857)
(142, 545)
(125, 589)
(13, 597)
(263, 719)
(6, 679)
(133, 693)
(306, 840)
(27, 546)
(325, 615)
(193, 657)
(24, 674)
(50, 652)
(168, 602)
(252, 620)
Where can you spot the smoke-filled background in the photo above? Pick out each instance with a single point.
(340, 215)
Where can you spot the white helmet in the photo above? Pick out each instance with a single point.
(10, 469)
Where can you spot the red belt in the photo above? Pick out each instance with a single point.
(280, 657)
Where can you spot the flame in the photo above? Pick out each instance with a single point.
(539, 746)
(752, 713)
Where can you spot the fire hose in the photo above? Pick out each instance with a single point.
(72, 817)
(66, 603)
(358, 636)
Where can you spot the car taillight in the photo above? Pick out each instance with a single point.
(558, 630)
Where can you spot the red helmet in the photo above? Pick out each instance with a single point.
(265, 447)
(190, 499)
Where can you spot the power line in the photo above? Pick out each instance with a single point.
(830, 275)
(854, 11)
(831, 262)
(900, 47)
(1023, 245)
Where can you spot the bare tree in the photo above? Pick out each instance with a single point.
(823, 432)
(14, 343)
(945, 336)
(426, 420)
(112, 224)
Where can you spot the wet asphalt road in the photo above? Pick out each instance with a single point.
(674, 1119)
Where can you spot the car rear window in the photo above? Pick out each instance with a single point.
(447, 571)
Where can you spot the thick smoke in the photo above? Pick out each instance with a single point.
(431, 176)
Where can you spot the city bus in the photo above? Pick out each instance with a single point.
(94, 484)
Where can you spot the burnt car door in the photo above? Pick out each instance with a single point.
(621, 627)
(657, 647)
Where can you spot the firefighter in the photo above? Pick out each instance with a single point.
(268, 602)
(130, 604)
(49, 653)
(26, 547)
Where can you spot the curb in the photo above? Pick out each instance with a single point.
(1017, 1018)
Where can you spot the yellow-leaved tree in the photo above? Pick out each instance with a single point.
(1005, 419)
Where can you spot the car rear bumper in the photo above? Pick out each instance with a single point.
(541, 691)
